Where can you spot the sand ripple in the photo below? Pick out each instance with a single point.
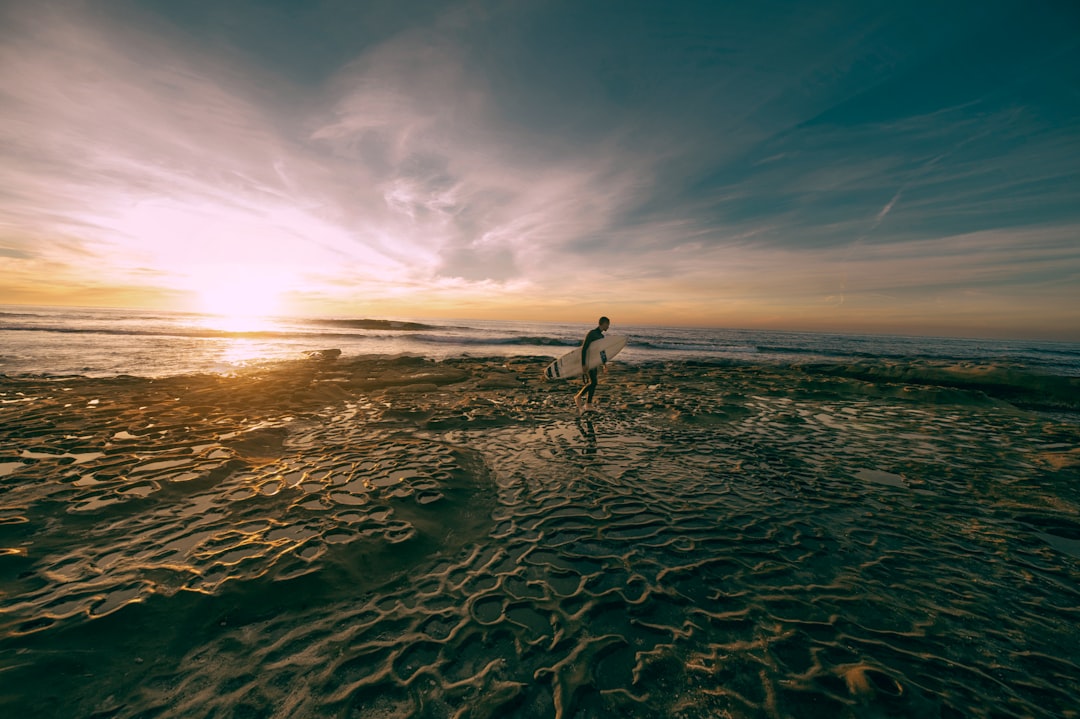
(717, 542)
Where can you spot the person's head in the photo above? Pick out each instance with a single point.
(604, 323)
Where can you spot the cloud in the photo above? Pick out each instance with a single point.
(395, 171)
(887, 208)
(150, 156)
(479, 200)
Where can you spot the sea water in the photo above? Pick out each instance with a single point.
(109, 342)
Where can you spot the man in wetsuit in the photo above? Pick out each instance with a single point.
(590, 376)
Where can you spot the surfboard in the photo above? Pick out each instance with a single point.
(600, 352)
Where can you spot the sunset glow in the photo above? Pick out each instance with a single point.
(240, 303)
(448, 164)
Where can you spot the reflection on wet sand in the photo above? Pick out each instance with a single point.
(394, 537)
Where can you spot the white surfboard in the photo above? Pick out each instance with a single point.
(600, 351)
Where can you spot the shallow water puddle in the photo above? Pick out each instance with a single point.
(879, 477)
(80, 458)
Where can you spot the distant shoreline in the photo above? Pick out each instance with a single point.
(1021, 387)
(159, 344)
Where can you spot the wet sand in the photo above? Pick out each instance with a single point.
(384, 537)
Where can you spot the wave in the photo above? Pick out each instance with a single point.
(365, 328)
(481, 340)
(773, 349)
(1057, 351)
(840, 353)
(370, 324)
(677, 346)
(186, 332)
(190, 331)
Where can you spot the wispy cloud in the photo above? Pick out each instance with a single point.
(458, 186)
(394, 171)
(888, 208)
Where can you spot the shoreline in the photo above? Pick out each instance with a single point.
(1023, 387)
(66, 343)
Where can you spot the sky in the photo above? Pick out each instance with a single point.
(843, 165)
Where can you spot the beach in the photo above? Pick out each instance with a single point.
(391, 536)
(302, 306)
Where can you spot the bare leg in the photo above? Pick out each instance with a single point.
(588, 390)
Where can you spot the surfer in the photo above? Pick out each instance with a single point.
(590, 376)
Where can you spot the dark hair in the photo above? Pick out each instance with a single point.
(602, 320)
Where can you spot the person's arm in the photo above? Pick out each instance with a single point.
(589, 339)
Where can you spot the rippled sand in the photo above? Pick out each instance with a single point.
(389, 537)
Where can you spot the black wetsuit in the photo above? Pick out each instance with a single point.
(594, 334)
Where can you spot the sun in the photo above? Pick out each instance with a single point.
(239, 303)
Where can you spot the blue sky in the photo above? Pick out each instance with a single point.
(852, 166)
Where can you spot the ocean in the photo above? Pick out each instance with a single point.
(108, 342)
(199, 520)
